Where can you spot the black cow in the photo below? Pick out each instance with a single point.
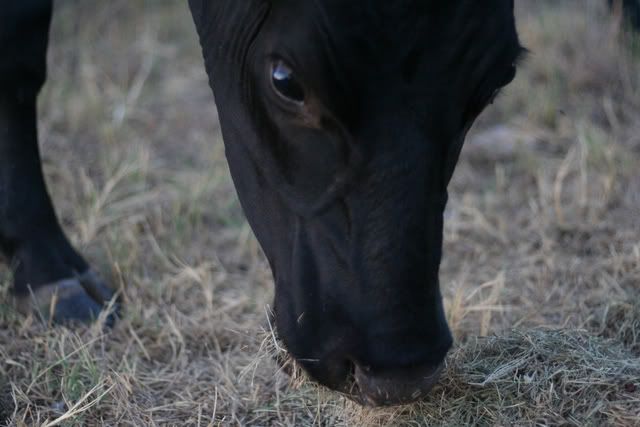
(342, 122)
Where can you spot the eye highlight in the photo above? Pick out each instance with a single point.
(285, 83)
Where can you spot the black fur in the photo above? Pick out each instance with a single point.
(346, 193)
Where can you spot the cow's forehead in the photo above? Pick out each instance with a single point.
(354, 21)
(383, 29)
(372, 39)
(373, 13)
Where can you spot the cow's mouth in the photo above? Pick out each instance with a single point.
(376, 389)
(395, 387)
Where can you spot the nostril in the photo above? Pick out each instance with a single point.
(395, 386)
(350, 385)
(337, 374)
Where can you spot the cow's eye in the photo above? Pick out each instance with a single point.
(285, 83)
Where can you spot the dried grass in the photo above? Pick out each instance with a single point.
(541, 274)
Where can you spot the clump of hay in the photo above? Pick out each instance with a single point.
(621, 321)
(549, 377)
(531, 377)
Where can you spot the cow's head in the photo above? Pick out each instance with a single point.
(343, 121)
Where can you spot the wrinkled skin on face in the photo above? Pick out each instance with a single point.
(343, 121)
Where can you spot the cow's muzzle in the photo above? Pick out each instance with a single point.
(394, 387)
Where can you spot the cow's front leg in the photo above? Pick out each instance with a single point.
(629, 11)
(49, 275)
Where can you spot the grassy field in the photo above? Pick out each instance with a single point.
(541, 272)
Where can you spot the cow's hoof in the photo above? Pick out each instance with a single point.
(80, 299)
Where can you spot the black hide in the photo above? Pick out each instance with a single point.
(346, 189)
